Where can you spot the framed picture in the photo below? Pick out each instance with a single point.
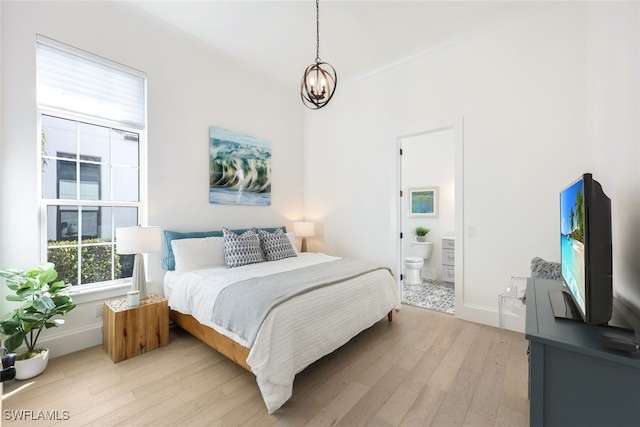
(239, 169)
(423, 202)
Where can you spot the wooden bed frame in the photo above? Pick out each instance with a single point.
(216, 340)
(209, 336)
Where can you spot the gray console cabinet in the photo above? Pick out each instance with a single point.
(573, 379)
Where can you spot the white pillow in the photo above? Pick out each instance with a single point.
(292, 239)
(194, 254)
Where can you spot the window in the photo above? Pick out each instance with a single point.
(92, 164)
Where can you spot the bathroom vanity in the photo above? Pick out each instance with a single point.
(448, 259)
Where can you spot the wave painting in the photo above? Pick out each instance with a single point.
(239, 169)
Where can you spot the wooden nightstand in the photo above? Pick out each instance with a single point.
(128, 332)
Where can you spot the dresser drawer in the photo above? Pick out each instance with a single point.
(448, 274)
(448, 257)
(448, 260)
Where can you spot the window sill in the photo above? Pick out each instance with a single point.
(101, 291)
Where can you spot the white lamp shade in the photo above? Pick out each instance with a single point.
(304, 229)
(138, 240)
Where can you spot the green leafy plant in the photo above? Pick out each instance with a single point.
(42, 298)
(96, 261)
(422, 231)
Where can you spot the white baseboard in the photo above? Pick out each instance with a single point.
(489, 316)
(429, 274)
(72, 340)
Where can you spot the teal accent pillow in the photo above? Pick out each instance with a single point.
(169, 261)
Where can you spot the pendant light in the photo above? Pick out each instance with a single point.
(320, 79)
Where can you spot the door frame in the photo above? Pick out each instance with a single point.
(458, 131)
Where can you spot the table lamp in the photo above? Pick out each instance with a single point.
(304, 229)
(138, 240)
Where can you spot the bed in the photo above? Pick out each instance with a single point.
(298, 328)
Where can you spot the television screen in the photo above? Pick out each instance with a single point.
(586, 251)
(572, 241)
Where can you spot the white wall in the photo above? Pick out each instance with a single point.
(428, 161)
(1, 127)
(613, 131)
(190, 87)
(522, 89)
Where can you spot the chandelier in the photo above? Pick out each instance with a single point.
(320, 79)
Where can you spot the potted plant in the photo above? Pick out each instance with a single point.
(42, 298)
(421, 233)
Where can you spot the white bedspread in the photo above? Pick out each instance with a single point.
(298, 332)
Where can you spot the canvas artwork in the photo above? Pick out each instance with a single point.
(423, 202)
(239, 169)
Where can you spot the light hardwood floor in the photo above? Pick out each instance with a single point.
(423, 369)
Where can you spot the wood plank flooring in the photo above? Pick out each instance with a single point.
(423, 369)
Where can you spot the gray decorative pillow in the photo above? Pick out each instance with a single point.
(546, 269)
(276, 245)
(241, 249)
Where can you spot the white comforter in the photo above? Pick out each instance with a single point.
(297, 332)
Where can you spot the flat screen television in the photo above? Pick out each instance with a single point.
(586, 253)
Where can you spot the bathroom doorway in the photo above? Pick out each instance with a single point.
(428, 186)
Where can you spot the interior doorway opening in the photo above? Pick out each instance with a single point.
(430, 198)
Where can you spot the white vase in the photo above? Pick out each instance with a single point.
(421, 238)
(29, 368)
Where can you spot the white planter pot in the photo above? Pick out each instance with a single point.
(421, 238)
(29, 368)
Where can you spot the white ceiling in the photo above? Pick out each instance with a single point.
(357, 37)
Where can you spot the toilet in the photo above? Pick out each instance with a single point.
(413, 264)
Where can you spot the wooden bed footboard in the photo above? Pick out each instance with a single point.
(213, 339)
(216, 340)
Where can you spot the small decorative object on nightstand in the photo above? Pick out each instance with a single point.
(133, 299)
(130, 331)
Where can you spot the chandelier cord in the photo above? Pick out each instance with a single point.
(317, 31)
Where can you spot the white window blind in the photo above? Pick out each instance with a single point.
(75, 81)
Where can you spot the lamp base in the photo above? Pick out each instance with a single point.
(138, 279)
(303, 245)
